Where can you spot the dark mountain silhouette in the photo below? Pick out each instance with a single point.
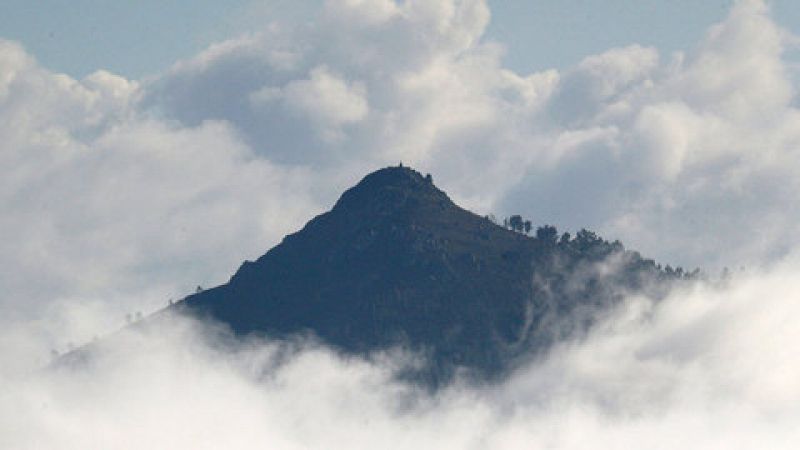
(397, 262)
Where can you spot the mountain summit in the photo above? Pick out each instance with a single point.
(396, 262)
(391, 187)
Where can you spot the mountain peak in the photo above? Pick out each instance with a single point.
(391, 187)
(395, 262)
(395, 176)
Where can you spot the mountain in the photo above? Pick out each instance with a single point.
(396, 262)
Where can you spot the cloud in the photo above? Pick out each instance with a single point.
(364, 12)
(673, 154)
(106, 205)
(323, 99)
(695, 152)
(348, 68)
(707, 367)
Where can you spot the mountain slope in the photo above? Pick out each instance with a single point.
(397, 262)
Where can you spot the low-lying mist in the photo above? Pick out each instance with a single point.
(707, 367)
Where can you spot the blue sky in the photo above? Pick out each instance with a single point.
(144, 37)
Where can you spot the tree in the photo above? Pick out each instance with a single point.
(547, 234)
(586, 239)
(697, 274)
(199, 289)
(516, 223)
(527, 225)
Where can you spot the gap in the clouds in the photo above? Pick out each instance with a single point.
(146, 39)
(133, 39)
(541, 35)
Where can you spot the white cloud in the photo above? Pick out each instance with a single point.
(327, 98)
(657, 151)
(105, 206)
(705, 368)
(324, 99)
(699, 163)
(366, 12)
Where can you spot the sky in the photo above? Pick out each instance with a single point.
(136, 39)
(142, 155)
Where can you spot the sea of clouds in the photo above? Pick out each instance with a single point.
(118, 194)
(709, 367)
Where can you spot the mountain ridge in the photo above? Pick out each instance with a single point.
(396, 262)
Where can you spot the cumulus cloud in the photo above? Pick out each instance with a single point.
(654, 149)
(323, 99)
(684, 151)
(105, 205)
